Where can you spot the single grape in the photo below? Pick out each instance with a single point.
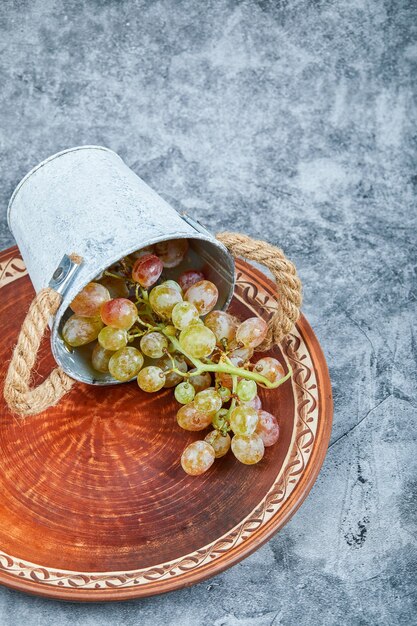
(200, 381)
(197, 340)
(116, 287)
(222, 324)
(208, 401)
(165, 363)
(100, 358)
(251, 332)
(221, 443)
(183, 314)
(243, 420)
(88, 302)
(219, 421)
(163, 299)
(190, 419)
(112, 338)
(203, 295)
(255, 403)
(79, 330)
(246, 390)
(173, 284)
(125, 364)
(240, 356)
(147, 269)
(197, 458)
(154, 344)
(267, 428)
(184, 393)
(224, 393)
(172, 252)
(189, 278)
(248, 449)
(151, 379)
(119, 313)
(224, 380)
(270, 368)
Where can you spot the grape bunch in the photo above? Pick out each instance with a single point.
(167, 333)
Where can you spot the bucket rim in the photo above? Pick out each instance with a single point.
(45, 162)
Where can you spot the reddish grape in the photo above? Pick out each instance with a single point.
(252, 332)
(116, 287)
(197, 458)
(171, 252)
(221, 443)
(200, 381)
(267, 428)
(222, 324)
(189, 278)
(203, 295)
(147, 269)
(255, 403)
(270, 368)
(119, 313)
(190, 419)
(88, 302)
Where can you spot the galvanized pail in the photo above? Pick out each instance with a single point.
(87, 201)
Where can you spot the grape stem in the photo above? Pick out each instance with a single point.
(226, 368)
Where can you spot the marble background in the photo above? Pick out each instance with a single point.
(294, 121)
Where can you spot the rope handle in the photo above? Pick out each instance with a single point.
(286, 278)
(23, 399)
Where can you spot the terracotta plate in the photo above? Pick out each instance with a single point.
(94, 503)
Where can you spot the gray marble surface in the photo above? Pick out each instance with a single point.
(293, 121)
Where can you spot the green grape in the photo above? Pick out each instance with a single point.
(222, 324)
(200, 381)
(248, 449)
(112, 338)
(170, 330)
(219, 421)
(197, 340)
(79, 330)
(184, 393)
(251, 332)
(224, 393)
(197, 458)
(165, 363)
(208, 401)
(173, 284)
(151, 379)
(125, 364)
(246, 390)
(221, 443)
(190, 419)
(100, 358)
(154, 345)
(163, 299)
(243, 420)
(183, 314)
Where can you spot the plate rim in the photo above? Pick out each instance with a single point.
(244, 549)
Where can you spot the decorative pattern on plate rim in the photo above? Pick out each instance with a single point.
(305, 388)
(11, 269)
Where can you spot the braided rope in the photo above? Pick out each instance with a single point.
(285, 274)
(19, 395)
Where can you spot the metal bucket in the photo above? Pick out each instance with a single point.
(87, 201)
